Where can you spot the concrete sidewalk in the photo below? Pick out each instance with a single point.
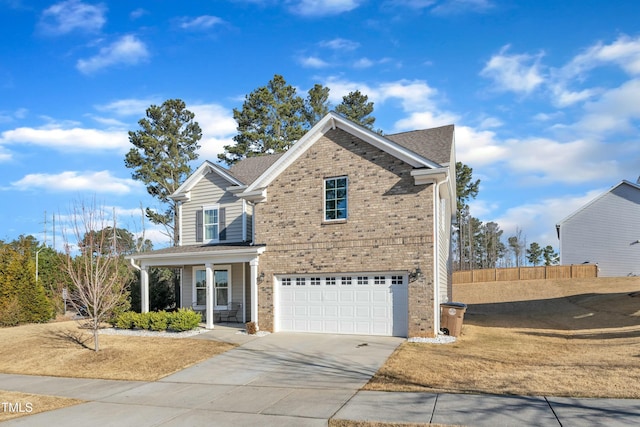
(489, 410)
(296, 380)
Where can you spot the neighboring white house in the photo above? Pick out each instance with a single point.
(605, 231)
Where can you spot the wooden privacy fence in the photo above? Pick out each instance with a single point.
(526, 273)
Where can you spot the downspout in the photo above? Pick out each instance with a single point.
(134, 265)
(436, 263)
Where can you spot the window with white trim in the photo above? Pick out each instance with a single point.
(200, 287)
(210, 223)
(286, 281)
(221, 287)
(329, 281)
(345, 280)
(315, 281)
(335, 198)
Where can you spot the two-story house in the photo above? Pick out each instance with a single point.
(347, 232)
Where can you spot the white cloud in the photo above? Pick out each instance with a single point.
(71, 15)
(138, 13)
(75, 139)
(520, 73)
(451, 7)
(491, 122)
(20, 113)
(96, 182)
(614, 111)
(413, 4)
(128, 107)
(544, 161)
(624, 52)
(313, 62)
(5, 155)
(315, 8)
(415, 95)
(218, 128)
(538, 219)
(363, 63)
(203, 22)
(128, 50)
(424, 120)
(340, 88)
(340, 44)
(478, 147)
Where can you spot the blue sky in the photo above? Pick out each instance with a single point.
(544, 94)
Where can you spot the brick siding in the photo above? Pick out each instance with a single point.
(389, 225)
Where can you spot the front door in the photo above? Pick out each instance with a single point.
(221, 287)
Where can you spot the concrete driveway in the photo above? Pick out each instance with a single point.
(282, 379)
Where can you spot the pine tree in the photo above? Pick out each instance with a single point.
(160, 157)
(272, 119)
(356, 107)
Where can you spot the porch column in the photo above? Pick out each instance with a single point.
(209, 279)
(244, 291)
(144, 289)
(254, 290)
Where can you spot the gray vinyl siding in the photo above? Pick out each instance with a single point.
(187, 286)
(238, 281)
(605, 232)
(444, 251)
(210, 190)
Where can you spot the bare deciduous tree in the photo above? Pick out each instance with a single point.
(94, 265)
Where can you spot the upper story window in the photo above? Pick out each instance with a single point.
(335, 198)
(211, 223)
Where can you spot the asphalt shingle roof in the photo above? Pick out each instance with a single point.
(433, 144)
(249, 169)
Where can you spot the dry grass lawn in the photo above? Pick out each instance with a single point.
(30, 404)
(577, 337)
(62, 349)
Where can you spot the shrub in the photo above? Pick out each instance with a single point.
(158, 320)
(183, 320)
(126, 320)
(10, 312)
(179, 321)
(142, 321)
(252, 328)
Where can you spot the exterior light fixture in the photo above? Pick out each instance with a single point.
(415, 275)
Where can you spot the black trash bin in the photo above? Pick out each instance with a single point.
(451, 316)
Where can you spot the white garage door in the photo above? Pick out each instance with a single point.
(368, 304)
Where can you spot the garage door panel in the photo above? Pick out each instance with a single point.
(315, 296)
(315, 311)
(331, 311)
(346, 311)
(330, 296)
(346, 296)
(350, 304)
(380, 296)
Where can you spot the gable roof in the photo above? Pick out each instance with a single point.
(416, 156)
(182, 193)
(596, 199)
(249, 169)
(434, 144)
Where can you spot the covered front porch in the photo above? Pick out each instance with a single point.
(220, 281)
